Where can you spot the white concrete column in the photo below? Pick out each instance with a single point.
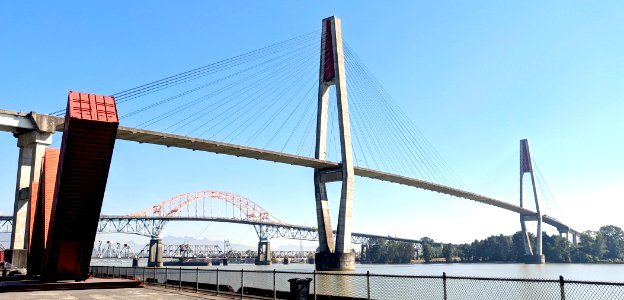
(32, 148)
(343, 232)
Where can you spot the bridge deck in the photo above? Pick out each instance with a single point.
(13, 121)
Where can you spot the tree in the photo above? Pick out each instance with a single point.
(448, 252)
(592, 246)
(614, 241)
(556, 248)
(390, 252)
(427, 252)
(517, 246)
(376, 253)
(496, 248)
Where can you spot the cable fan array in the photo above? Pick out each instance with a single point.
(503, 182)
(267, 98)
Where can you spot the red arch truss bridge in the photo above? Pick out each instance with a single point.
(217, 206)
(210, 205)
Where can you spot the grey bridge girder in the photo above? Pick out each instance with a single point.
(145, 227)
(15, 120)
(12, 121)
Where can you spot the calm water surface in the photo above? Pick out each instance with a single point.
(592, 272)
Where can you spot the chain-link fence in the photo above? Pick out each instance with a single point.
(332, 285)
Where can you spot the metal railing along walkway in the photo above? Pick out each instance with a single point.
(272, 284)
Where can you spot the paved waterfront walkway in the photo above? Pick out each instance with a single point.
(148, 292)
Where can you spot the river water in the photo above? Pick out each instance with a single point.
(588, 272)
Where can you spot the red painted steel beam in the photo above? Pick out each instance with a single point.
(88, 140)
(42, 210)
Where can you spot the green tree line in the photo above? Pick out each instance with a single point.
(606, 244)
(389, 252)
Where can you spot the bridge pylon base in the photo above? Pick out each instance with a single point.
(535, 259)
(335, 261)
(264, 253)
(155, 253)
(17, 257)
(263, 262)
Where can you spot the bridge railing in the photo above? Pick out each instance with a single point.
(273, 284)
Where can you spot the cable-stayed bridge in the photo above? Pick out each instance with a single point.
(257, 105)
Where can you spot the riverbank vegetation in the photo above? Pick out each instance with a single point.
(389, 252)
(604, 245)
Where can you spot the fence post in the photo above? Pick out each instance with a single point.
(144, 275)
(154, 279)
(217, 281)
(166, 276)
(242, 282)
(197, 280)
(113, 273)
(180, 280)
(134, 272)
(444, 285)
(314, 279)
(561, 287)
(126, 273)
(368, 284)
(274, 290)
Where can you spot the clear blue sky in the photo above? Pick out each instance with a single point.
(474, 77)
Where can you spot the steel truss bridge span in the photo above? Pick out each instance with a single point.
(153, 226)
(112, 249)
(216, 206)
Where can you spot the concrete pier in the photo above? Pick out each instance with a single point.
(264, 253)
(335, 261)
(535, 259)
(32, 147)
(155, 253)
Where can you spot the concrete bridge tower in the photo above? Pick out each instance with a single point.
(32, 145)
(526, 166)
(332, 73)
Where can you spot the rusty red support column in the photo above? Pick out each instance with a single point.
(42, 210)
(91, 123)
